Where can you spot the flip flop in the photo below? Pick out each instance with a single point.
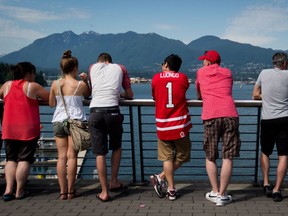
(102, 200)
(120, 188)
(8, 197)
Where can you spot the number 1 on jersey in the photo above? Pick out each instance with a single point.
(170, 99)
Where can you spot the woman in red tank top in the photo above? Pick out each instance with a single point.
(20, 126)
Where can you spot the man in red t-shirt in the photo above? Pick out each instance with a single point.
(220, 119)
(173, 123)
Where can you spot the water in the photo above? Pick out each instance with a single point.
(143, 91)
(240, 92)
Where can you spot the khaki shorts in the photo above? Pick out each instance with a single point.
(175, 150)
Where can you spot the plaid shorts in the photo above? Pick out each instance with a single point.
(228, 130)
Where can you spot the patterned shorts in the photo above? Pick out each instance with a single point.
(61, 129)
(226, 129)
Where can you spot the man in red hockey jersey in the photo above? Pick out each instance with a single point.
(173, 123)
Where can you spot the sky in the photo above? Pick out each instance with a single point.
(261, 23)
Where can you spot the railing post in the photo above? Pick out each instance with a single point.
(140, 144)
(132, 143)
(257, 146)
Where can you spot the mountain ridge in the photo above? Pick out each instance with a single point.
(140, 53)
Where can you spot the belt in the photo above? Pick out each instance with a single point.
(105, 110)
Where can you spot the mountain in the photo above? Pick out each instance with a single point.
(140, 53)
(233, 52)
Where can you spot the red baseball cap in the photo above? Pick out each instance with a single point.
(211, 56)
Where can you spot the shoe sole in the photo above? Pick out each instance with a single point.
(211, 198)
(172, 198)
(224, 202)
(154, 182)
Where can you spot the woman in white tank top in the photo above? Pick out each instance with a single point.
(73, 92)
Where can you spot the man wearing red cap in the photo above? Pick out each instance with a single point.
(220, 120)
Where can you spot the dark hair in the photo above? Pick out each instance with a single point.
(174, 62)
(20, 70)
(279, 59)
(104, 57)
(68, 63)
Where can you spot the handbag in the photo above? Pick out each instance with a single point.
(79, 130)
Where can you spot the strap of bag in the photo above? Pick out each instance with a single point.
(61, 96)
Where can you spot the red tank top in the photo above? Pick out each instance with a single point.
(21, 120)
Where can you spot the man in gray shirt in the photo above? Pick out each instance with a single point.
(272, 88)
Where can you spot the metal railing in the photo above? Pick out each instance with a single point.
(139, 157)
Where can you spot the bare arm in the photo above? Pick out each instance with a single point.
(128, 94)
(198, 92)
(6, 86)
(86, 87)
(2, 91)
(52, 98)
(257, 93)
(41, 92)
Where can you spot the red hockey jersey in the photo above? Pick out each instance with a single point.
(173, 120)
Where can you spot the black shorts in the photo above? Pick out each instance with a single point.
(18, 150)
(104, 123)
(274, 131)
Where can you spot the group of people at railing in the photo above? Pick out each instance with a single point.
(104, 82)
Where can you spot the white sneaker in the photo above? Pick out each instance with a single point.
(223, 200)
(171, 194)
(211, 196)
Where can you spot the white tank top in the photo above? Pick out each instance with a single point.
(74, 105)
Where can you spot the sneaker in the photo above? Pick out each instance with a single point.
(223, 200)
(171, 194)
(277, 196)
(211, 196)
(157, 184)
(268, 189)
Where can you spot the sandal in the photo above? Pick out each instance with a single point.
(71, 195)
(63, 196)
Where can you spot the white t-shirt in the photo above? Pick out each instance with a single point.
(107, 81)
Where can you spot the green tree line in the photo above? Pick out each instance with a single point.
(5, 75)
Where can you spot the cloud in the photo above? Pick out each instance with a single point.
(77, 14)
(27, 14)
(10, 30)
(259, 24)
(164, 26)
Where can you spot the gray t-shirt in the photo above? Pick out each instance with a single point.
(274, 91)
